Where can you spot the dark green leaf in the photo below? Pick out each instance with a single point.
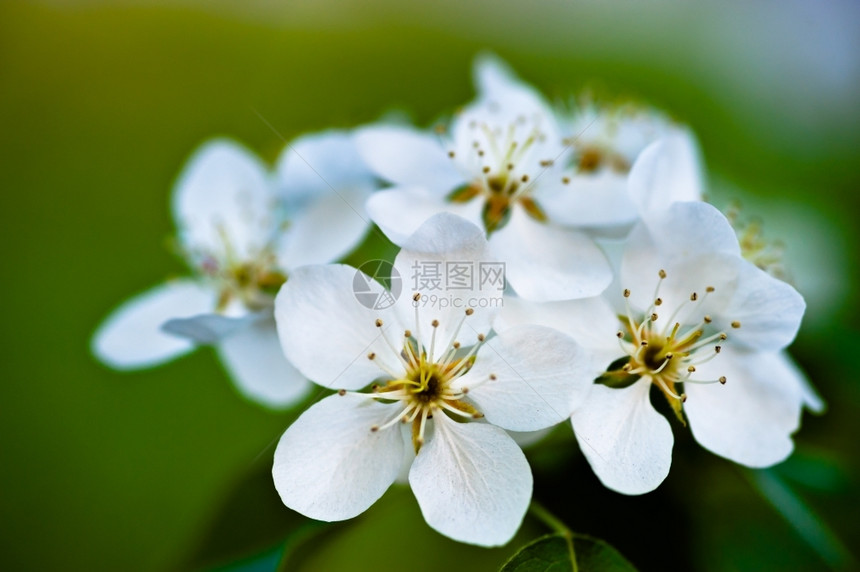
(552, 553)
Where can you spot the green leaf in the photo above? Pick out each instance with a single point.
(552, 553)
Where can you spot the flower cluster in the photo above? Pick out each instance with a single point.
(621, 287)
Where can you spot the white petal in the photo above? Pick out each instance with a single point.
(590, 321)
(443, 261)
(597, 201)
(811, 398)
(210, 328)
(750, 419)
(406, 156)
(541, 376)
(131, 337)
(769, 310)
(327, 229)
(255, 360)
(400, 211)
(327, 333)
(330, 466)
(472, 482)
(544, 262)
(683, 231)
(627, 443)
(667, 171)
(320, 164)
(224, 191)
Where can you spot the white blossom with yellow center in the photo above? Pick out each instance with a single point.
(423, 389)
(499, 164)
(241, 230)
(701, 327)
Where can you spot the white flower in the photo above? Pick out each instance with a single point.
(703, 326)
(625, 161)
(500, 166)
(446, 390)
(241, 237)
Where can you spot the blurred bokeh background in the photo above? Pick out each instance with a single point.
(165, 469)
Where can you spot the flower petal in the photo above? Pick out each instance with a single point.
(597, 201)
(407, 156)
(330, 466)
(327, 333)
(472, 482)
(311, 237)
(544, 262)
(224, 191)
(430, 263)
(667, 171)
(768, 309)
(131, 337)
(255, 360)
(627, 443)
(538, 376)
(401, 210)
(320, 164)
(683, 231)
(750, 419)
(210, 328)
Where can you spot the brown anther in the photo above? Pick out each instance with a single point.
(546, 163)
(378, 323)
(475, 144)
(374, 388)
(480, 152)
(407, 334)
(736, 325)
(477, 415)
(493, 377)
(707, 319)
(620, 334)
(691, 369)
(694, 297)
(469, 311)
(341, 392)
(435, 323)
(658, 301)
(565, 180)
(653, 317)
(723, 337)
(524, 178)
(374, 428)
(464, 390)
(486, 170)
(510, 166)
(416, 296)
(644, 343)
(626, 293)
(722, 379)
(371, 356)
(662, 273)
(669, 356)
(626, 367)
(683, 398)
(451, 154)
(718, 349)
(481, 337)
(709, 289)
(456, 345)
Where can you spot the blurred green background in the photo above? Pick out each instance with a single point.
(100, 105)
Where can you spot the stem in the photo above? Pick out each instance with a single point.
(554, 523)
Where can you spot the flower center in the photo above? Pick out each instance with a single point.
(253, 282)
(499, 154)
(422, 385)
(766, 254)
(664, 350)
